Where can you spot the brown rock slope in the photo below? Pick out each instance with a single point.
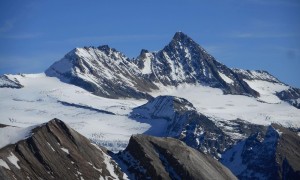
(148, 157)
(55, 151)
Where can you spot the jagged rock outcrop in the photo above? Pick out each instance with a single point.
(273, 154)
(148, 157)
(291, 95)
(55, 151)
(6, 82)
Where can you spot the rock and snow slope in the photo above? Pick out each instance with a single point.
(104, 71)
(55, 151)
(107, 72)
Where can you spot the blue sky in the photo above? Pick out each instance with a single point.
(248, 34)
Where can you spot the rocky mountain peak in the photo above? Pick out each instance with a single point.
(144, 51)
(107, 49)
(181, 37)
(182, 42)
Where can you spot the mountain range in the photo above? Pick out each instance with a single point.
(180, 98)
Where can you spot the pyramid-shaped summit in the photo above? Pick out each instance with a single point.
(180, 36)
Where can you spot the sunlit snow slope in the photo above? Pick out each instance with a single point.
(43, 98)
(213, 103)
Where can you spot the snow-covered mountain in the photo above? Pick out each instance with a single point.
(109, 73)
(104, 71)
(180, 91)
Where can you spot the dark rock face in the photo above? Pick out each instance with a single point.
(184, 123)
(149, 157)
(270, 155)
(55, 151)
(6, 82)
(291, 96)
(288, 153)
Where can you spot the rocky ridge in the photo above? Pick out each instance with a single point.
(107, 72)
(55, 151)
(149, 157)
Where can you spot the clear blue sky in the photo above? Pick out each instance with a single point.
(249, 34)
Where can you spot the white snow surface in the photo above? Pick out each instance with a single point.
(14, 160)
(147, 64)
(267, 90)
(65, 150)
(219, 107)
(226, 78)
(11, 135)
(40, 100)
(4, 164)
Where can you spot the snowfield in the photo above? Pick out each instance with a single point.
(106, 122)
(213, 103)
(41, 100)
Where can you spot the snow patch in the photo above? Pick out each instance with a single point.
(226, 78)
(4, 164)
(65, 150)
(147, 64)
(279, 133)
(14, 160)
(11, 135)
(50, 146)
(267, 90)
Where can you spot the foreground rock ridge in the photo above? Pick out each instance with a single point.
(148, 157)
(107, 72)
(55, 151)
